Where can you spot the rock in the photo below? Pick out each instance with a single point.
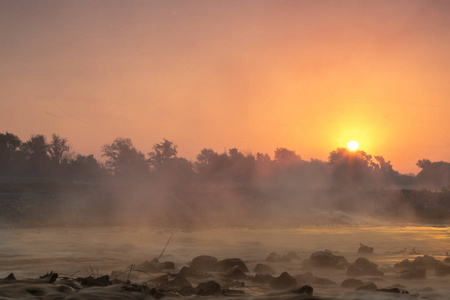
(406, 263)
(226, 264)
(351, 283)
(10, 277)
(292, 256)
(167, 265)
(367, 287)
(91, 281)
(179, 282)
(208, 288)
(233, 293)
(394, 290)
(425, 261)
(322, 281)
(274, 257)
(447, 260)
(283, 281)
(186, 291)
(263, 278)
(190, 272)
(140, 288)
(414, 273)
(304, 290)
(235, 273)
(154, 261)
(365, 249)
(160, 279)
(362, 266)
(442, 269)
(147, 267)
(326, 259)
(156, 293)
(204, 263)
(51, 277)
(264, 269)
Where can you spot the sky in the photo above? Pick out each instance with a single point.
(256, 75)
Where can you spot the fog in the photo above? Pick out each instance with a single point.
(271, 227)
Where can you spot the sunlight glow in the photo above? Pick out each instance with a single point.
(353, 145)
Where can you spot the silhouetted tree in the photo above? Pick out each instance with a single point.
(166, 165)
(162, 153)
(351, 168)
(9, 153)
(86, 167)
(433, 175)
(35, 152)
(123, 159)
(285, 156)
(59, 150)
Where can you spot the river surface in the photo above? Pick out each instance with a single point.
(30, 252)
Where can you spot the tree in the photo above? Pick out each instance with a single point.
(9, 151)
(433, 175)
(162, 153)
(35, 152)
(350, 168)
(285, 156)
(85, 167)
(59, 150)
(123, 159)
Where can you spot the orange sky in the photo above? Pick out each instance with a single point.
(256, 75)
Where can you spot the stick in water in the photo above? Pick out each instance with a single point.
(168, 241)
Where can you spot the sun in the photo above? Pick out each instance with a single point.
(353, 145)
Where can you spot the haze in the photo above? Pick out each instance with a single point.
(256, 75)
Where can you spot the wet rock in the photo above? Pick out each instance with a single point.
(425, 261)
(414, 273)
(263, 278)
(141, 288)
(91, 281)
(160, 279)
(156, 293)
(442, 269)
(292, 256)
(406, 263)
(179, 282)
(190, 272)
(365, 249)
(304, 278)
(321, 281)
(147, 267)
(394, 290)
(304, 290)
(367, 287)
(204, 263)
(264, 269)
(154, 260)
(326, 259)
(10, 277)
(351, 283)
(283, 281)
(235, 273)
(226, 264)
(186, 291)
(208, 288)
(167, 265)
(362, 266)
(233, 293)
(274, 257)
(51, 277)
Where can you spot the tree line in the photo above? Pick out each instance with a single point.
(38, 157)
